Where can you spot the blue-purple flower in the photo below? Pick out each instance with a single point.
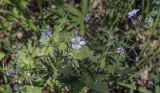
(8, 73)
(87, 18)
(46, 33)
(77, 42)
(120, 50)
(148, 20)
(132, 13)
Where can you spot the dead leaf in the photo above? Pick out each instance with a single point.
(145, 74)
(97, 7)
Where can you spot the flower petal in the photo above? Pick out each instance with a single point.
(74, 45)
(132, 13)
(78, 46)
(82, 42)
(73, 40)
(148, 20)
(76, 39)
(46, 33)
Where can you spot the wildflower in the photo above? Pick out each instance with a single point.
(8, 73)
(148, 20)
(87, 18)
(132, 13)
(120, 50)
(46, 33)
(77, 42)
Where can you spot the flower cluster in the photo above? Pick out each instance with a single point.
(77, 42)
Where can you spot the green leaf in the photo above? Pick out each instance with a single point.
(77, 87)
(62, 46)
(66, 36)
(75, 18)
(2, 55)
(32, 25)
(133, 87)
(76, 63)
(72, 25)
(101, 87)
(24, 59)
(56, 37)
(60, 11)
(141, 89)
(46, 50)
(82, 28)
(33, 90)
(103, 63)
(157, 89)
(88, 81)
(84, 52)
(74, 11)
(7, 45)
(144, 90)
(84, 7)
(60, 26)
(20, 7)
(5, 89)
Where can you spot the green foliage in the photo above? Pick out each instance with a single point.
(133, 87)
(77, 16)
(29, 89)
(53, 64)
(2, 55)
(99, 87)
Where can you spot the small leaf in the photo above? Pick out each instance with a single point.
(2, 55)
(144, 90)
(82, 28)
(84, 52)
(72, 25)
(84, 6)
(103, 63)
(77, 86)
(31, 89)
(74, 11)
(133, 87)
(101, 87)
(157, 89)
(62, 46)
(56, 37)
(32, 25)
(88, 81)
(76, 63)
(141, 89)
